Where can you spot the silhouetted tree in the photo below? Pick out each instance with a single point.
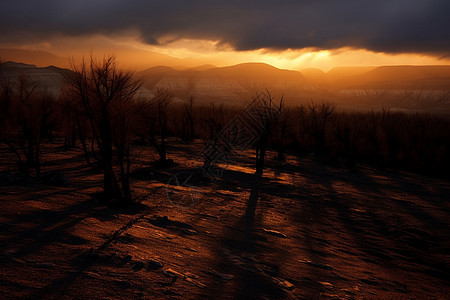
(188, 120)
(6, 95)
(319, 117)
(282, 134)
(159, 118)
(161, 103)
(26, 112)
(347, 133)
(267, 112)
(212, 117)
(75, 124)
(154, 115)
(106, 93)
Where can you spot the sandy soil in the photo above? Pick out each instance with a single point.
(304, 231)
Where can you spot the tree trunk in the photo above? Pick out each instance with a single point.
(108, 176)
(162, 153)
(260, 155)
(83, 144)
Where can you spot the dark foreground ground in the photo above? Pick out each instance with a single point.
(304, 231)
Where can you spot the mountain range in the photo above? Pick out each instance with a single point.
(49, 78)
(232, 84)
(239, 83)
(384, 77)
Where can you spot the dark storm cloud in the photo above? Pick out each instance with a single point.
(384, 25)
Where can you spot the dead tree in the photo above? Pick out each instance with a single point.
(267, 112)
(282, 133)
(188, 120)
(212, 117)
(319, 116)
(25, 111)
(104, 90)
(6, 95)
(159, 118)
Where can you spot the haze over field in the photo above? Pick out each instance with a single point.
(409, 88)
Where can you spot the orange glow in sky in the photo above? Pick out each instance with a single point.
(209, 52)
(199, 52)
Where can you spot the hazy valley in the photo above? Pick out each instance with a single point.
(406, 88)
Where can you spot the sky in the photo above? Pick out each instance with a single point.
(285, 33)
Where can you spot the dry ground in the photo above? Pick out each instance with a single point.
(304, 231)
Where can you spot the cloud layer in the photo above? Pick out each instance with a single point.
(391, 26)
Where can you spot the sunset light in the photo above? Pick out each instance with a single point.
(200, 52)
(239, 149)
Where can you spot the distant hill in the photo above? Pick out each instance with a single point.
(333, 77)
(339, 73)
(348, 87)
(202, 67)
(403, 77)
(137, 59)
(385, 77)
(233, 84)
(127, 57)
(314, 75)
(48, 78)
(34, 57)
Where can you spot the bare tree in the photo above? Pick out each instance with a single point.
(347, 134)
(319, 116)
(75, 124)
(212, 116)
(188, 120)
(24, 114)
(282, 133)
(69, 113)
(105, 91)
(6, 95)
(267, 112)
(161, 102)
(156, 114)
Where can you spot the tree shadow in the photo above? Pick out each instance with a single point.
(240, 253)
(368, 224)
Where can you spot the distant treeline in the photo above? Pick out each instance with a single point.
(415, 142)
